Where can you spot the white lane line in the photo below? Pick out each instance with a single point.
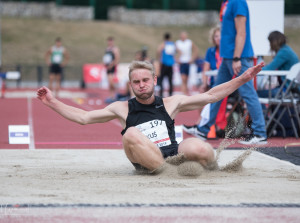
(278, 160)
(30, 122)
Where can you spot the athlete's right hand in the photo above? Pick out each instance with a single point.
(44, 94)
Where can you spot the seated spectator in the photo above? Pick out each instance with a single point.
(284, 59)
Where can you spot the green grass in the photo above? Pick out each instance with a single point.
(25, 41)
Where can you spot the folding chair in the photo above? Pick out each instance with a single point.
(287, 97)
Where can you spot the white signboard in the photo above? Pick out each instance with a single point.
(265, 16)
(18, 134)
(13, 75)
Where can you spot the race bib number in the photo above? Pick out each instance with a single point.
(107, 58)
(170, 49)
(157, 131)
(57, 58)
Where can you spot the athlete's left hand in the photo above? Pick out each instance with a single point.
(252, 72)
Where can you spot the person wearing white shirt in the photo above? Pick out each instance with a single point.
(188, 52)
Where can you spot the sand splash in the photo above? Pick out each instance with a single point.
(177, 165)
(192, 168)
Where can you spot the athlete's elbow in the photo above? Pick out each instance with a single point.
(212, 98)
(79, 121)
(82, 121)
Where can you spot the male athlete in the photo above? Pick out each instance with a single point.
(148, 120)
(111, 59)
(56, 57)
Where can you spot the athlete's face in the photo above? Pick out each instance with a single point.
(142, 83)
(110, 43)
(183, 36)
(58, 43)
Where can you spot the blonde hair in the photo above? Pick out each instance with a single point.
(212, 33)
(141, 65)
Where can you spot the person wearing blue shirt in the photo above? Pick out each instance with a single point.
(212, 59)
(237, 53)
(284, 59)
(166, 55)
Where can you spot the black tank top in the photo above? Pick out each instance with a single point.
(108, 57)
(153, 121)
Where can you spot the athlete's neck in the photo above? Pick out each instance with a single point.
(147, 101)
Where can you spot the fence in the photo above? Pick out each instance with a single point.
(36, 75)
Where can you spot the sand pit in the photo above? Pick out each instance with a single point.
(107, 177)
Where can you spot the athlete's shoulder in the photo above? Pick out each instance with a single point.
(115, 49)
(173, 99)
(120, 103)
(118, 106)
(178, 42)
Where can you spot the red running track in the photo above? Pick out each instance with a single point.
(51, 131)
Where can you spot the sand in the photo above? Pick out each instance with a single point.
(107, 177)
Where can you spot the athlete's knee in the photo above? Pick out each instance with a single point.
(207, 151)
(131, 136)
(197, 149)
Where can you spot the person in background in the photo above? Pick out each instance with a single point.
(212, 59)
(212, 62)
(284, 59)
(166, 56)
(111, 59)
(237, 53)
(188, 53)
(56, 58)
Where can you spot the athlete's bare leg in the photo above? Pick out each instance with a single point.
(111, 85)
(57, 83)
(139, 149)
(51, 80)
(184, 87)
(197, 150)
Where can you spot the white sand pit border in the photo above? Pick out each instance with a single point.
(87, 176)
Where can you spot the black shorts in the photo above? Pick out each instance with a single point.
(111, 70)
(166, 70)
(55, 69)
(171, 150)
(184, 68)
(166, 152)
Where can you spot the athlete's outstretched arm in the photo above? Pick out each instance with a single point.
(218, 92)
(75, 114)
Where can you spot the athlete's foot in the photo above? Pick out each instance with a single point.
(158, 170)
(176, 160)
(212, 165)
(190, 168)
